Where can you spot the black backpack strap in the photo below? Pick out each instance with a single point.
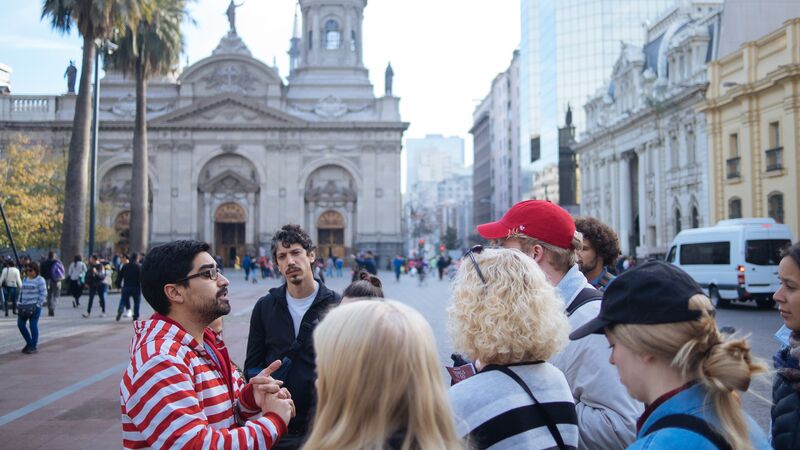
(586, 295)
(690, 423)
(551, 424)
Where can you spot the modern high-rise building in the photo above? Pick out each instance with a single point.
(433, 158)
(567, 50)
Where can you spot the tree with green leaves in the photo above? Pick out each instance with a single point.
(32, 193)
(450, 239)
(95, 20)
(150, 48)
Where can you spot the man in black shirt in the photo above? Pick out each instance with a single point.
(94, 279)
(128, 280)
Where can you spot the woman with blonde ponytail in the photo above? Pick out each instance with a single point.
(671, 356)
(379, 384)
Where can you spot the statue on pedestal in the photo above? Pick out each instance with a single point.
(388, 79)
(71, 73)
(231, 13)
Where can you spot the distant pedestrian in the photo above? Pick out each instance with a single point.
(672, 357)
(441, 265)
(130, 284)
(599, 253)
(517, 400)
(77, 279)
(29, 309)
(55, 273)
(95, 278)
(262, 265)
(329, 265)
(247, 265)
(11, 282)
(786, 386)
(339, 266)
(397, 263)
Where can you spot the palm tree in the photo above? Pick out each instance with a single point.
(150, 48)
(94, 19)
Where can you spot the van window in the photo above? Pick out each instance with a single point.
(706, 253)
(765, 252)
(671, 255)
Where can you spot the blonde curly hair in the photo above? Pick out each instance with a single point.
(516, 316)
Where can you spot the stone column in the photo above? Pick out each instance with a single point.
(641, 151)
(249, 232)
(625, 207)
(659, 193)
(209, 219)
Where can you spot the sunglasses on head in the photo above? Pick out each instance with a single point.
(476, 249)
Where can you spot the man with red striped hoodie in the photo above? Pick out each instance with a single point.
(181, 389)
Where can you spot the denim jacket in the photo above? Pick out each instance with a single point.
(690, 401)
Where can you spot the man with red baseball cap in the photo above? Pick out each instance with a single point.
(546, 232)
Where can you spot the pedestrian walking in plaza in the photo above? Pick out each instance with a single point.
(599, 252)
(380, 384)
(181, 389)
(29, 309)
(367, 286)
(786, 386)
(77, 279)
(130, 286)
(52, 280)
(339, 267)
(397, 264)
(441, 265)
(11, 282)
(329, 265)
(282, 322)
(95, 278)
(671, 356)
(546, 232)
(262, 265)
(505, 316)
(247, 263)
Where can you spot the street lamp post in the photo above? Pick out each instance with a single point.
(102, 47)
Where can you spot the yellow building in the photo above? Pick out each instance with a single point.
(752, 107)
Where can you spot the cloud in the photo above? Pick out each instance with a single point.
(18, 42)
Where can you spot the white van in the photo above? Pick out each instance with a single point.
(736, 259)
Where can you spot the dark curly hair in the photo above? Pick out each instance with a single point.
(366, 285)
(792, 251)
(163, 265)
(291, 234)
(603, 238)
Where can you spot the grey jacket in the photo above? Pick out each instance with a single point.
(606, 413)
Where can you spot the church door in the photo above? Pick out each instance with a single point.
(229, 238)
(330, 235)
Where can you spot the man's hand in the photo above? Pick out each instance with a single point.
(264, 384)
(280, 403)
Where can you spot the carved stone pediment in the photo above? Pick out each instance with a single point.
(332, 192)
(227, 111)
(228, 182)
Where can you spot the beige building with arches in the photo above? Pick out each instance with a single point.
(236, 151)
(753, 112)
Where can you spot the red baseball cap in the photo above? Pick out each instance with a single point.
(539, 219)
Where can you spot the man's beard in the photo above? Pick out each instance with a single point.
(210, 312)
(585, 268)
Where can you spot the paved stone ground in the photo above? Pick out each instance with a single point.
(67, 395)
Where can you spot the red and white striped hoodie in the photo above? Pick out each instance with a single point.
(175, 395)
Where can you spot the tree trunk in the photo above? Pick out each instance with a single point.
(139, 231)
(73, 232)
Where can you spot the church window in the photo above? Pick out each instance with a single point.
(332, 37)
(677, 220)
(775, 206)
(735, 208)
(695, 217)
(352, 41)
(310, 39)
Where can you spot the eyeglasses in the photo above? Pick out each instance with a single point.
(210, 274)
(476, 249)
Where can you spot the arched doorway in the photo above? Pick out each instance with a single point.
(229, 232)
(330, 235)
(122, 228)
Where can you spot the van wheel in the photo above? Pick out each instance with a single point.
(716, 300)
(765, 303)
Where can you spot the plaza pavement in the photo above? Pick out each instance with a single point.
(67, 395)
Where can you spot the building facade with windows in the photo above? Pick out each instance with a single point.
(753, 112)
(236, 152)
(643, 158)
(567, 49)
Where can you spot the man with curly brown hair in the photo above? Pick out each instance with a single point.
(600, 251)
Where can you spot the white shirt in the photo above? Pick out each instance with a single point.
(299, 306)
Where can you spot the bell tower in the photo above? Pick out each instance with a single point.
(328, 73)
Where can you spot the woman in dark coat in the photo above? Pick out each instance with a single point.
(786, 388)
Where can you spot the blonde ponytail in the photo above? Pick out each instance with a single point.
(700, 352)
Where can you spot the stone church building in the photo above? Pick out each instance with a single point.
(236, 152)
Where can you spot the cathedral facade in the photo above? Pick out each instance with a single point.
(236, 152)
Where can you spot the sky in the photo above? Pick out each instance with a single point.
(444, 53)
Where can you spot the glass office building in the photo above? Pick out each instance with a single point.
(567, 50)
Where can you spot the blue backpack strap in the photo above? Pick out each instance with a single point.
(690, 423)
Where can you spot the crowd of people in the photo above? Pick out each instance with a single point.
(564, 353)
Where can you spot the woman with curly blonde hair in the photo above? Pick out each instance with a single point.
(508, 318)
(379, 383)
(671, 356)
